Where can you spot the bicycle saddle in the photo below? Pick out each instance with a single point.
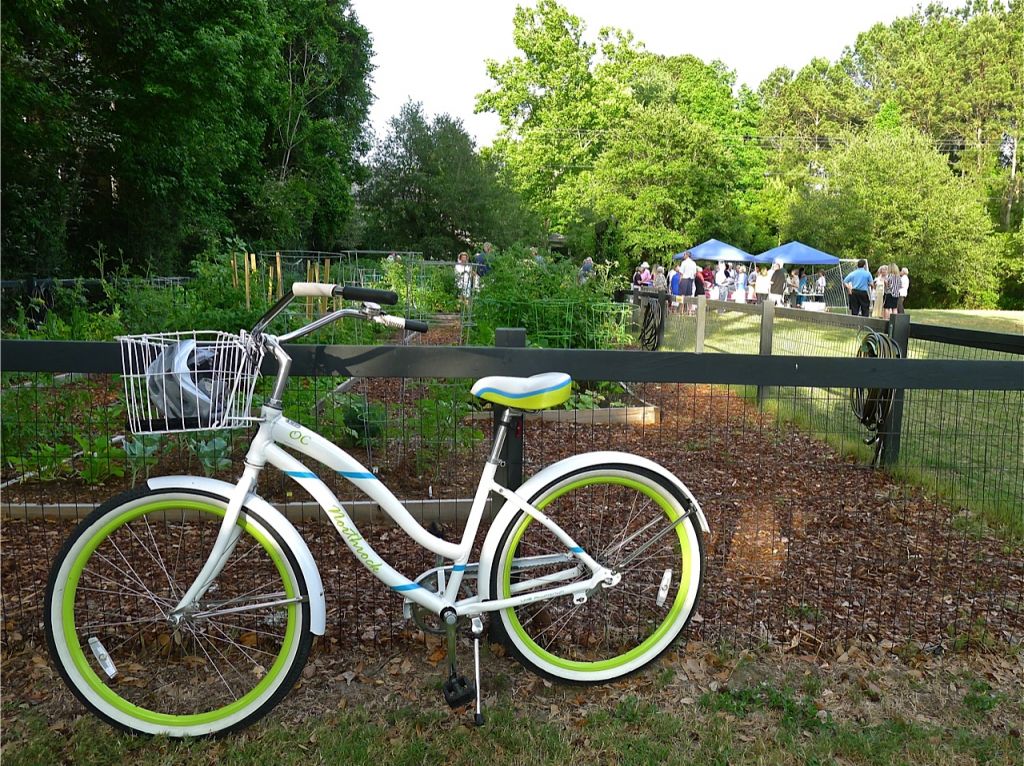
(538, 392)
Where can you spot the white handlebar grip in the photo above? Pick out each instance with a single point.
(312, 290)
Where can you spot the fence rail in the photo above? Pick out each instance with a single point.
(581, 364)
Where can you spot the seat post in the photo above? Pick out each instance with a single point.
(510, 450)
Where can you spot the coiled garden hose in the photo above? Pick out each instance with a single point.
(650, 322)
(871, 406)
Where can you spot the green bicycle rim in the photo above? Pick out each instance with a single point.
(653, 639)
(123, 705)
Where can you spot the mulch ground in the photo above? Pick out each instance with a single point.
(808, 549)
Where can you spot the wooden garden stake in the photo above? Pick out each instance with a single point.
(316, 278)
(234, 271)
(280, 282)
(246, 270)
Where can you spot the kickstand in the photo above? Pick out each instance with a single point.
(478, 629)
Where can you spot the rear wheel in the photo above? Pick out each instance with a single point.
(635, 523)
(110, 632)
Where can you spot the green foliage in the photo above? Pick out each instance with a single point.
(99, 460)
(46, 461)
(549, 301)
(594, 394)
(434, 432)
(1009, 271)
(142, 453)
(634, 155)
(155, 129)
(363, 421)
(429, 191)
(317, 101)
(421, 287)
(153, 132)
(213, 451)
(889, 197)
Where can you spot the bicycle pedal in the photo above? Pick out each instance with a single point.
(458, 691)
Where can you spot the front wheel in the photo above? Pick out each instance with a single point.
(217, 668)
(631, 520)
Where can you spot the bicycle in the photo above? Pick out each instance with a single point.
(187, 606)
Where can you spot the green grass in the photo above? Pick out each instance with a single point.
(968, 319)
(964, 446)
(761, 725)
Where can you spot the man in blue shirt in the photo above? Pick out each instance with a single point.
(857, 284)
(675, 286)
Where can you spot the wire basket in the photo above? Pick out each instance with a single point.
(189, 381)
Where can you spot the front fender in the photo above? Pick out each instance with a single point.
(535, 483)
(277, 521)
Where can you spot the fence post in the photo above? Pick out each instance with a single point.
(663, 301)
(511, 473)
(899, 331)
(767, 329)
(702, 323)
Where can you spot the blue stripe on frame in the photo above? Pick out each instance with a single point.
(410, 586)
(301, 474)
(568, 382)
(459, 568)
(577, 549)
(357, 474)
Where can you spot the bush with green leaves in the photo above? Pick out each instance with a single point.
(99, 460)
(550, 301)
(142, 453)
(362, 421)
(434, 432)
(46, 461)
(423, 287)
(213, 451)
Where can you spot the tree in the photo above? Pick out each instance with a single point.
(147, 131)
(889, 196)
(646, 152)
(181, 79)
(957, 77)
(45, 134)
(314, 127)
(552, 127)
(429, 190)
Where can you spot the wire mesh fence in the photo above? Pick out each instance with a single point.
(808, 543)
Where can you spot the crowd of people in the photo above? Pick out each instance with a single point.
(881, 295)
(734, 282)
(793, 286)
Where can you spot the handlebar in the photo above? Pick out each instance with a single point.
(371, 311)
(346, 292)
(372, 298)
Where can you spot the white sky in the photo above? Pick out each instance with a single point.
(433, 51)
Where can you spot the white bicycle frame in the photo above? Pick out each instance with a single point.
(276, 430)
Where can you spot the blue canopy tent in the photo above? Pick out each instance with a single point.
(713, 250)
(796, 254)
